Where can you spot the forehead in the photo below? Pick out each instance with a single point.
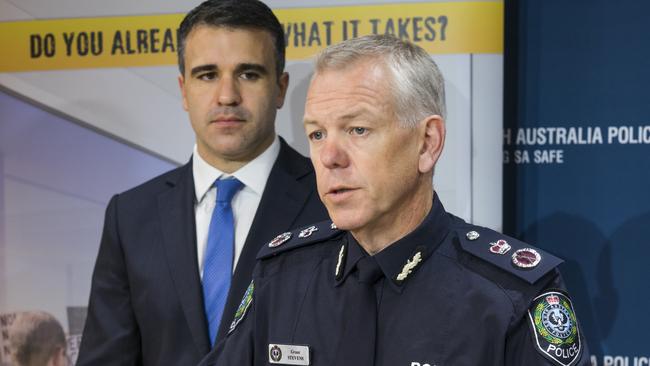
(361, 86)
(210, 44)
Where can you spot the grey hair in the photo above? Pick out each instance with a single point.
(417, 84)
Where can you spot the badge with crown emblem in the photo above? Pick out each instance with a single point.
(555, 328)
(500, 247)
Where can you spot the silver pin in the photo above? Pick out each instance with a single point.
(409, 266)
(280, 239)
(472, 235)
(333, 226)
(308, 231)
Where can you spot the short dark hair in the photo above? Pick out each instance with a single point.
(235, 14)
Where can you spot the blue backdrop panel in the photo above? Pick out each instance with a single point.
(577, 158)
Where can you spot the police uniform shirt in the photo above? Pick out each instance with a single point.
(447, 297)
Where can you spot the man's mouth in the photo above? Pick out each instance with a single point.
(228, 119)
(339, 194)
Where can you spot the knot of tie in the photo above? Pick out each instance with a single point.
(369, 270)
(226, 189)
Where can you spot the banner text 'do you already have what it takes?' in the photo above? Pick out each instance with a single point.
(440, 28)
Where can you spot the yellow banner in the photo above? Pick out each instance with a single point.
(440, 28)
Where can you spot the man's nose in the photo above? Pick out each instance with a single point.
(333, 153)
(228, 91)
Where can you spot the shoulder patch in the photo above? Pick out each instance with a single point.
(555, 328)
(513, 256)
(299, 238)
(246, 302)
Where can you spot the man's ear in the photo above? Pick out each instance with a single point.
(283, 84)
(433, 140)
(181, 85)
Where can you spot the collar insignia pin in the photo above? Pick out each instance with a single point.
(472, 235)
(307, 232)
(409, 266)
(280, 239)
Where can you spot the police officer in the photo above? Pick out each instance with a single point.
(394, 279)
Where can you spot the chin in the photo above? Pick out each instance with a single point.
(346, 221)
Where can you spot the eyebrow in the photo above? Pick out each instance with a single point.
(346, 117)
(202, 68)
(352, 115)
(252, 67)
(240, 68)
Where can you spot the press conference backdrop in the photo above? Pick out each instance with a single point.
(92, 107)
(577, 158)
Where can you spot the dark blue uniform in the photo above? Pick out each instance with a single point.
(450, 294)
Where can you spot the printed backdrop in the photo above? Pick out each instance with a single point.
(577, 158)
(112, 68)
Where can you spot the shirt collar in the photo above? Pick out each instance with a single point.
(253, 175)
(393, 259)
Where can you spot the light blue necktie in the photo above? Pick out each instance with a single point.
(219, 255)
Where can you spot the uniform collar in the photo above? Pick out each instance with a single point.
(394, 258)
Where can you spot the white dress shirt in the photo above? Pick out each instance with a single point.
(244, 204)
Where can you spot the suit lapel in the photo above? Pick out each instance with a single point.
(283, 199)
(176, 209)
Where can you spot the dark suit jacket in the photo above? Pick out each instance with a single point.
(146, 301)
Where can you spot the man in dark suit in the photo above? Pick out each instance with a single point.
(149, 284)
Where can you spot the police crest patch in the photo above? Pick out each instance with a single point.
(555, 328)
(246, 302)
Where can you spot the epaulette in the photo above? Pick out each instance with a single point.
(299, 238)
(512, 255)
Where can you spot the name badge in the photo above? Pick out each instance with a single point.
(288, 354)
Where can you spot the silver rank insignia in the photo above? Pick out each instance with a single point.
(333, 226)
(307, 232)
(472, 235)
(526, 258)
(409, 266)
(500, 247)
(289, 354)
(280, 239)
(555, 328)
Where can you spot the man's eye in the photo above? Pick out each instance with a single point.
(207, 76)
(316, 135)
(250, 76)
(359, 130)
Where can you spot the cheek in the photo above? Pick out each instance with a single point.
(318, 169)
(262, 99)
(394, 168)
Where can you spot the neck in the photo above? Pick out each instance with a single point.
(381, 235)
(231, 164)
